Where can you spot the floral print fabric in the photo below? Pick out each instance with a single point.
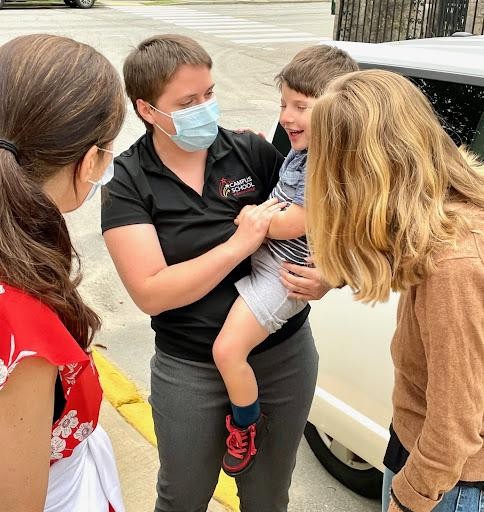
(28, 328)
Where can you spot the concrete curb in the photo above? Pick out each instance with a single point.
(126, 399)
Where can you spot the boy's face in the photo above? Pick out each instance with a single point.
(295, 116)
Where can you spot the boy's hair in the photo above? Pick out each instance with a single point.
(311, 70)
(153, 63)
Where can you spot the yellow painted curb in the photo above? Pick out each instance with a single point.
(117, 388)
(139, 416)
(126, 399)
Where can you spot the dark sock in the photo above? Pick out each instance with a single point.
(245, 416)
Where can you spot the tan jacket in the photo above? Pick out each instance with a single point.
(438, 353)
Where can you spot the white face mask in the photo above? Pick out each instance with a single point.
(105, 178)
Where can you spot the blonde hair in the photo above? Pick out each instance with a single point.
(382, 177)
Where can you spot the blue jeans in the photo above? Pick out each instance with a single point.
(458, 499)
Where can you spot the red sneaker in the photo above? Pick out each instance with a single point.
(242, 445)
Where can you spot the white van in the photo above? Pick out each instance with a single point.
(351, 412)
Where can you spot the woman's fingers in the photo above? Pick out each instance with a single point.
(277, 207)
(300, 296)
(269, 208)
(260, 214)
(294, 283)
(295, 292)
(265, 210)
(269, 202)
(248, 208)
(244, 212)
(307, 272)
(272, 200)
(303, 282)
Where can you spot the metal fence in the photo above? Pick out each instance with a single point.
(377, 21)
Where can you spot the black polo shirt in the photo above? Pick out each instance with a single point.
(241, 169)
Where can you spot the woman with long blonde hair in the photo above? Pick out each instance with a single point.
(394, 205)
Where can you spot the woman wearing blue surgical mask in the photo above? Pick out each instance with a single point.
(169, 227)
(196, 127)
(61, 106)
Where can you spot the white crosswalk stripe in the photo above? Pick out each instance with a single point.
(237, 30)
(244, 29)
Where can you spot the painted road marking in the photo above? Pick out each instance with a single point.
(275, 40)
(255, 29)
(236, 30)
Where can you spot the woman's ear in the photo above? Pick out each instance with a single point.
(89, 166)
(145, 111)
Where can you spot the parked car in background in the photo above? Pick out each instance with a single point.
(82, 4)
(351, 412)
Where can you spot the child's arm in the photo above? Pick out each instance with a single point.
(287, 224)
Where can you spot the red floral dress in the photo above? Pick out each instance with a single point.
(29, 328)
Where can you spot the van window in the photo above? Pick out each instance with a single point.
(460, 108)
(478, 144)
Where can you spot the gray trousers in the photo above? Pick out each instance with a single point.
(190, 402)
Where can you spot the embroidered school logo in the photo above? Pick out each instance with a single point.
(236, 188)
(224, 188)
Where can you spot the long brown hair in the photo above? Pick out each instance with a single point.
(383, 178)
(58, 98)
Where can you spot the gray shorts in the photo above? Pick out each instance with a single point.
(264, 293)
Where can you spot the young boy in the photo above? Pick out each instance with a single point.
(264, 306)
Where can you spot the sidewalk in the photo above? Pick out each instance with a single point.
(137, 463)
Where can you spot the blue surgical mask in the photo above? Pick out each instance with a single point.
(196, 127)
(105, 178)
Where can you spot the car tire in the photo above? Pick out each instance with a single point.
(361, 478)
(84, 4)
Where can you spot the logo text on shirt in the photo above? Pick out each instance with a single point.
(236, 188)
